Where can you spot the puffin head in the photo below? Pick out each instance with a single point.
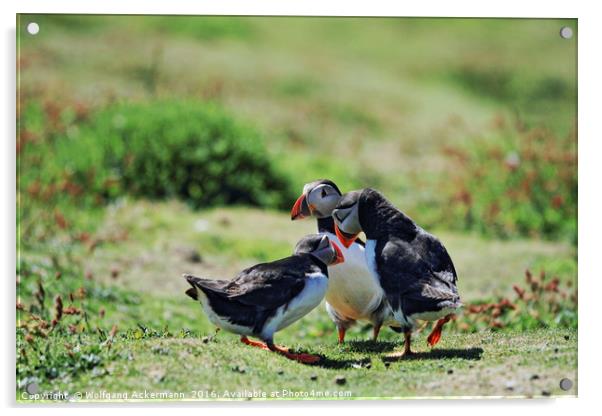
(318, 199)
(320, 247)
(346, 218)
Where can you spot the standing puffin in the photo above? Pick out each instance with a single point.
(354, 292)
(413, 267)
(268, 297)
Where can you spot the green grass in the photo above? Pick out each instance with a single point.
(527, 364)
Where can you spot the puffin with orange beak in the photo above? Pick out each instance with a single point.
(354, 292)
(268, 297)
(413, 267)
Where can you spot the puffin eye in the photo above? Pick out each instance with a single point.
(324, 192)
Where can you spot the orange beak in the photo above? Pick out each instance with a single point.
(339, 258)
(300, 209)
(346, 241)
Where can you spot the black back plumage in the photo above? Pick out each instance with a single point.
(416, 271)
(256, 293)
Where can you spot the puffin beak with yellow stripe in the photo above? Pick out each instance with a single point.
(346, 217)
(318, 199)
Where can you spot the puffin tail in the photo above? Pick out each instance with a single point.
(197, 283)
(192, 281)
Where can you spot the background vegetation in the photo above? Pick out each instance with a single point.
(153, 146)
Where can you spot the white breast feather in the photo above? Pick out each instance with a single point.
(310, 297)
(370, 255)
(354, 291)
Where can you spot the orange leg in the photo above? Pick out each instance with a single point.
(342, 335)
(435, 335)
(375, 332)
(257, 344)
(303, 358)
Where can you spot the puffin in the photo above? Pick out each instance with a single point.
(354, 292)
(413, 267)
(268, 297)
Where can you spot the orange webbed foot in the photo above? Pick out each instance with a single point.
(435, 335)
(257, 344)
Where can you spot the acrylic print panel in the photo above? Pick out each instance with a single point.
(155, 146)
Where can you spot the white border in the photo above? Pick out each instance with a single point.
(589, 194)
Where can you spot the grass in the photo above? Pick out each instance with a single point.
(526, 364)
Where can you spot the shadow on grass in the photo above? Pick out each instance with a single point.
(332, 363)
(382, 347)
(465, 354)
(369, 346)
(329, 363)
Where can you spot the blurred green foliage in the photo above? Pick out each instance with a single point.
(164, 149)
(515, 182)
(202, 27)
(533, 98)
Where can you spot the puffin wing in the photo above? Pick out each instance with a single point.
(428, 294)
(270, 285)
(407, 277)
(434, 253)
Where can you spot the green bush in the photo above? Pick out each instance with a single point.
(190, 150)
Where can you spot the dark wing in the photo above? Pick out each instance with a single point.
(271, 285)
(412, 282)
(434, 253)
